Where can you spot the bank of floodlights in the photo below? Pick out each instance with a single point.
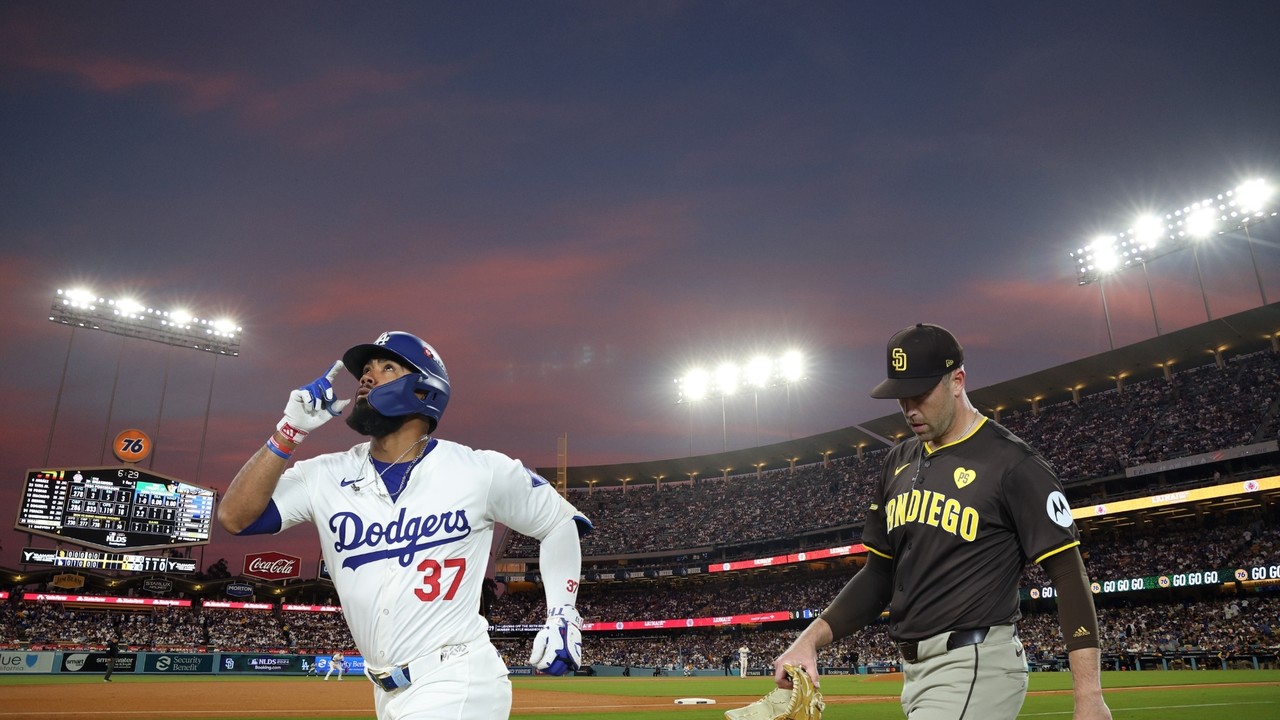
(130, 318)
(728, 378)
(1151, 236)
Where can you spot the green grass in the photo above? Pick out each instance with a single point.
(1175, 695)
(1179, 695)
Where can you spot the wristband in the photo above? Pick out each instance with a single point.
(291, 433)
(275, 447)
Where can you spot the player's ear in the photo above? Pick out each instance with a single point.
(957, 381)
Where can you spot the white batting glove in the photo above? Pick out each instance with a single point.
(557, 648)
(311, 406)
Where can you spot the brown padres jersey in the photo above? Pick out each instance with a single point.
(959, 522)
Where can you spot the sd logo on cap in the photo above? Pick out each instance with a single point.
(918, 357)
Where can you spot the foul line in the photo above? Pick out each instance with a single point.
(1115, 711)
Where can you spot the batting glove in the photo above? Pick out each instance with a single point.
(557, 648)
(311, 406)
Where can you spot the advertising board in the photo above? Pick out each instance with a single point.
(26, 662)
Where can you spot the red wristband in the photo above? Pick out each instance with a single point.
(276, 448)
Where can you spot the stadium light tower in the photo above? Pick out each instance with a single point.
(129, 318)
(1253, 197)
(757, 373)
(1152, 236)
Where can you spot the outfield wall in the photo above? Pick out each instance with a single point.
(88, 662)
(91, 662)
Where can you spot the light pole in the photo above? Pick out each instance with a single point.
(111, 404)
(1251, 199)
(164, 388)
(205, 431)
(57, 403)
(726, 382)
(791, 370)
(1200, 277)
(1153, 236)
(79, 308)
(1256, 272)
(1152, 296)
(1102, 288)
(724, 426)
(690, 406)
(760, 372)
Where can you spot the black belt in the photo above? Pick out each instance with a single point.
(910, 649)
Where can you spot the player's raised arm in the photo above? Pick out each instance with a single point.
(309, 407)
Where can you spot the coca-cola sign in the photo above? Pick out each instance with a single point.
(272, 566)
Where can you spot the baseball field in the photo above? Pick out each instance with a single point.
(1175, 695)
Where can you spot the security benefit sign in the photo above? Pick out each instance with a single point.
(177, 663)
(353, 664)
(96, 662)
(26, 662)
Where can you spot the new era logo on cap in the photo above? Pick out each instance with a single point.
(918, 357)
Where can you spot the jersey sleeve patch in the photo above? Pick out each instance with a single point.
(1058, 509)
(537, 479)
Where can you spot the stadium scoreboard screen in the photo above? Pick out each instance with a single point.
(115, 508)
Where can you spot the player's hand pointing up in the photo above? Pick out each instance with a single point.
(311, 406)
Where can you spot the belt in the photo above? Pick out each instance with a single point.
(910, 649)
(401, 676)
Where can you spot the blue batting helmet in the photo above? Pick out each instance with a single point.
(425, 392)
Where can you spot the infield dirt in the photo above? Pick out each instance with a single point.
(287, 698)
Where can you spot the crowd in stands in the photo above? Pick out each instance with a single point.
(1230, 628)
(316, 631)
(1235, 626)
(1244, 542)
(1201, 410)
(648, 518)
(40, 625)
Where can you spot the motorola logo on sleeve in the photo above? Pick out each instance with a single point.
(1058, 509)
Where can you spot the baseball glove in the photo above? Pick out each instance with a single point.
(802, 702)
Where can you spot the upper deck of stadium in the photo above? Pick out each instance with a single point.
(1163, 355)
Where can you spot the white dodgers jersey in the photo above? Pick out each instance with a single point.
(409, 573)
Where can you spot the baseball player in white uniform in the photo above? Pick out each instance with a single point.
(337, 662)
(405, 522)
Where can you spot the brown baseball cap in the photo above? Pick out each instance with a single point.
(918, 357)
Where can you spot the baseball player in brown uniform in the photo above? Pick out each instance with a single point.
(957, 512)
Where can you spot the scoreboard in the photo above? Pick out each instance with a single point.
(115, 508)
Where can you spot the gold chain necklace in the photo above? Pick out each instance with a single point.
(920, 460)
(404, 479)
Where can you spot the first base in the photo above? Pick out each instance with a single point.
(695, 701)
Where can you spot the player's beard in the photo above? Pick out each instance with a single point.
(367, 421)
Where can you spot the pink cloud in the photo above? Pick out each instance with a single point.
(319, 111)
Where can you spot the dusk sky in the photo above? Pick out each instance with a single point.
(574, 202)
